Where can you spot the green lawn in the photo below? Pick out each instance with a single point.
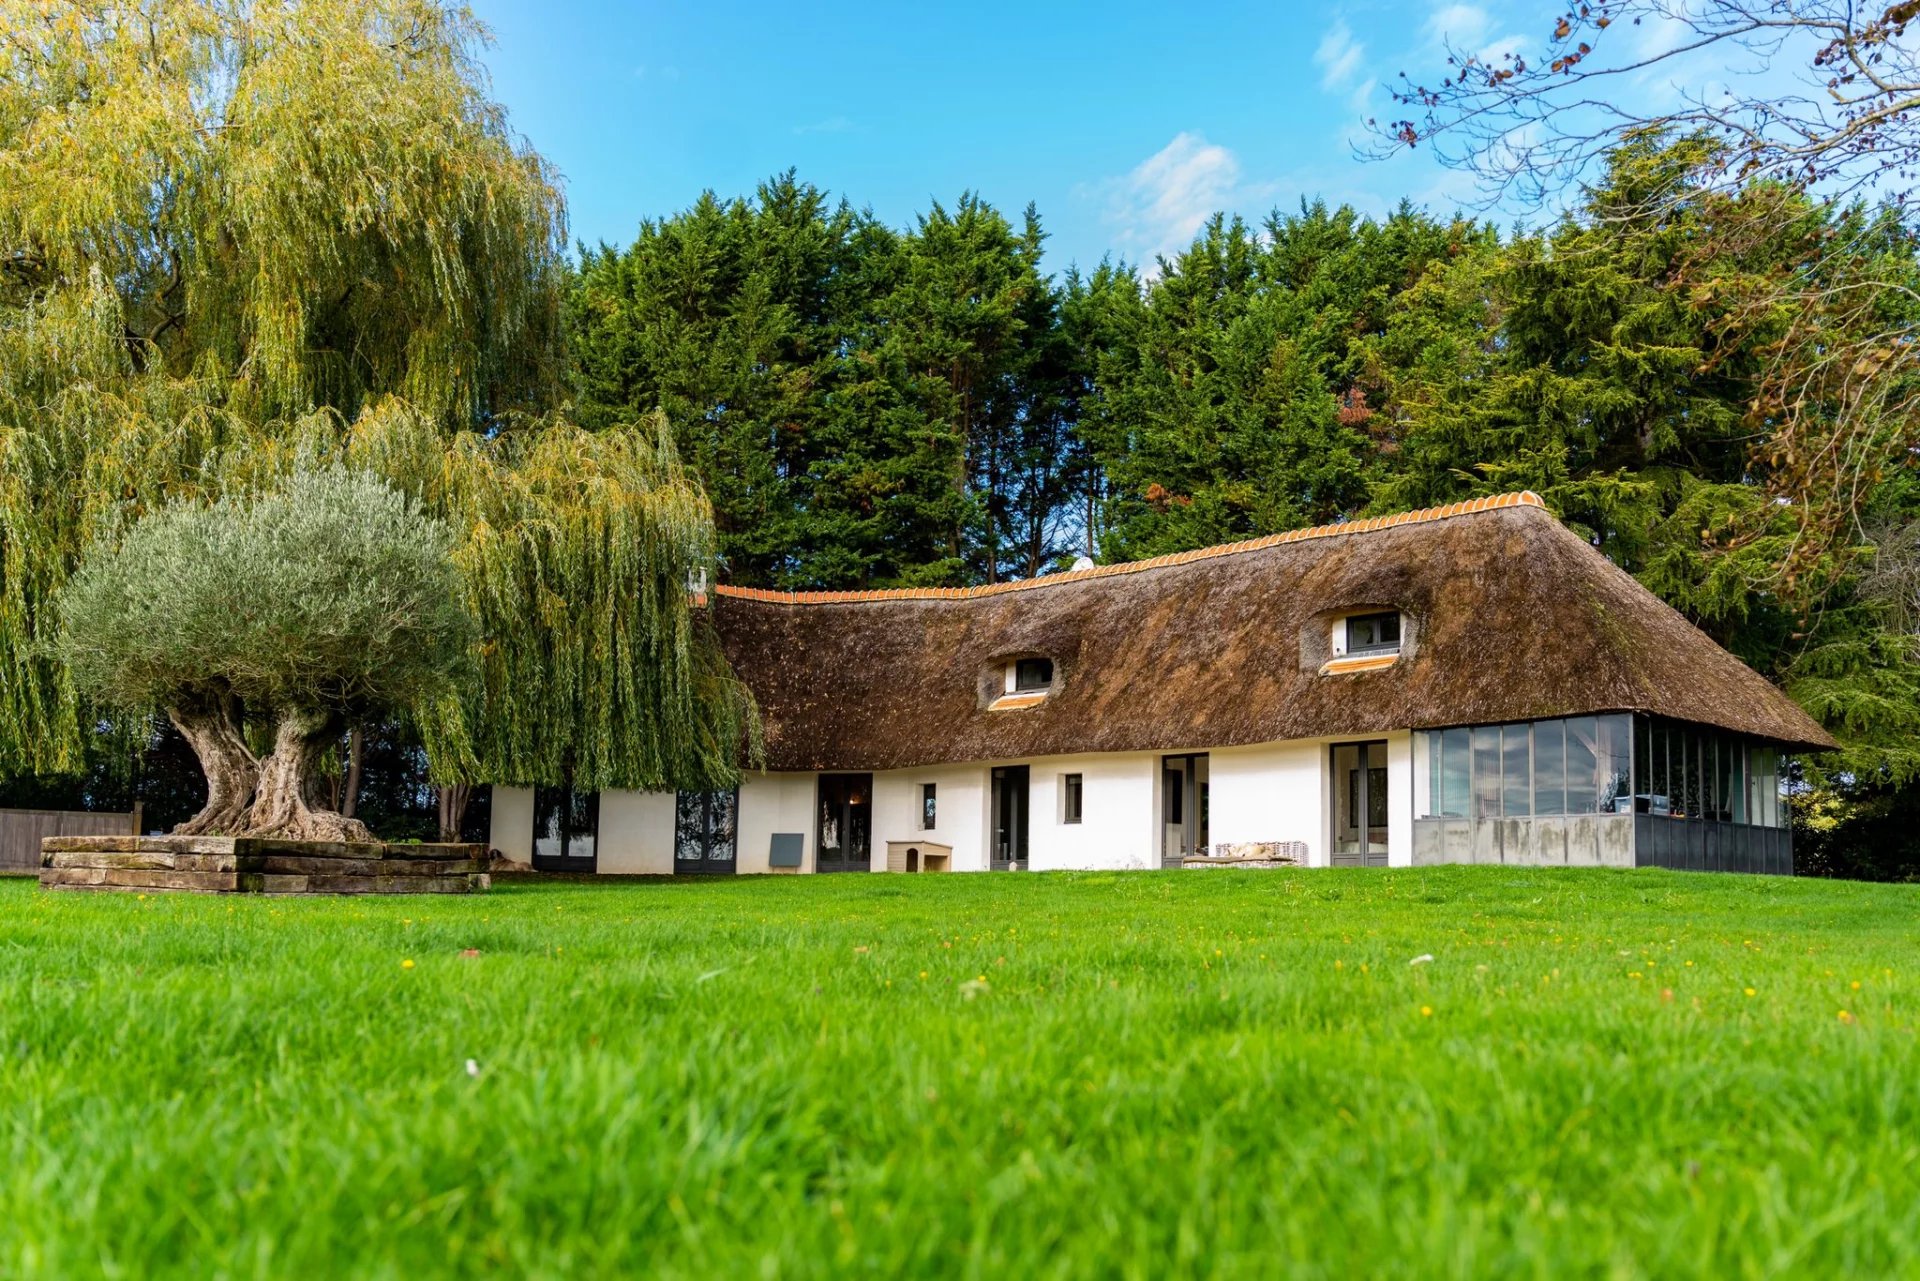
(1144, 1075)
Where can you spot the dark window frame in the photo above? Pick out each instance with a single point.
(1030, 674)
(567, 804)
(1378, 625)
(710, 807)
(1072, 797)
(929, 807)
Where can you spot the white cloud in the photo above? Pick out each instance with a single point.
(1168, 197)
(1463, 26)
(1338, 56)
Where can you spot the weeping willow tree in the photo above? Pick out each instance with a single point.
(235, 234)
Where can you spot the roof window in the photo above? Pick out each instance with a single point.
(1372, 635)
(1032, 674)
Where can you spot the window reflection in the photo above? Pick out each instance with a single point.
(1601, 765)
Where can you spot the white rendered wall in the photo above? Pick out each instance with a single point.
(1279, 792)
(1117, 828)
(510, 823)
(771, 803)
(1275, 792)
(959, 810)
(636, 834)
(636, 828)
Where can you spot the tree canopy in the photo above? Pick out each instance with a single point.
(234, 235)
(326, 602)
(860, 406)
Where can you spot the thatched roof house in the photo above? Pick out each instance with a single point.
(1472, 683)
(1508, 616)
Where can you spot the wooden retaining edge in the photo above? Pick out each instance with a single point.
(286, 864)
(105, 878)
(258, 845)
(229, 865)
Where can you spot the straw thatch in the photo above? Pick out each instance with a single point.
(1509, 616)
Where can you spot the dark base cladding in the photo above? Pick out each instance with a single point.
(1694, 845)
(241, 865)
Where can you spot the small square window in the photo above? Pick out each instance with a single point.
(1373, 634)
(1032, 673)
(926, 807)
(1069, 798)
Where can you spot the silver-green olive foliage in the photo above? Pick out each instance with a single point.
(334, 594)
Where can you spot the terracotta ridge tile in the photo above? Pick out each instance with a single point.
(1364, 525)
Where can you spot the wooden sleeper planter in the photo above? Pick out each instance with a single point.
(251, 865)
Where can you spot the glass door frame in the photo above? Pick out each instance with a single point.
(1364, 769)
(711, 806)
(1010, 787)
(847, 810)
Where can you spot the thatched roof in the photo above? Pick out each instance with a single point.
(1509, 616)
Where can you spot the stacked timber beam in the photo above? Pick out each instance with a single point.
(243, 865)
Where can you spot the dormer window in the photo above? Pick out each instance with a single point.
(1031, 674)
(1013, 683)
(1371, 635)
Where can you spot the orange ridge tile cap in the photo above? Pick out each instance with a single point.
(1523, 498)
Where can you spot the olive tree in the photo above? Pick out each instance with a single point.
(301, 611)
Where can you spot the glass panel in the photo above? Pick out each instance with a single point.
(1346, 802)
(927, 806)
(1550, 767)
(1723, 776)
(859, 820)
(1456, 771)
(1426, 772)
(1737, 782)
(549, 822)
(1614, 764)
(1373, 633)
(583, 823)
(1516, 770)
(1659, 786)
(689, 826)
(1642, 760)
(1583, 742)
(1073, 798)
(724, 832)
(1033, 673)
(1486, 772)
(1691, 793)
(832, 798)
(1769, 787)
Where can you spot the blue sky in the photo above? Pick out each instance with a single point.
(1125, 122)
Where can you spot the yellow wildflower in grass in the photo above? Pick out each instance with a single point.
(1845, 1017)
(1751, 992)
(1426, 1011)
(407, 964)
(1856, 985)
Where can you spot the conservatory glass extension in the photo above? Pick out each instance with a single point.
(1614, 790)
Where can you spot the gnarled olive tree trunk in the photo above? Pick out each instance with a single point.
(284, 801)
(211, 725)
(272, 795)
